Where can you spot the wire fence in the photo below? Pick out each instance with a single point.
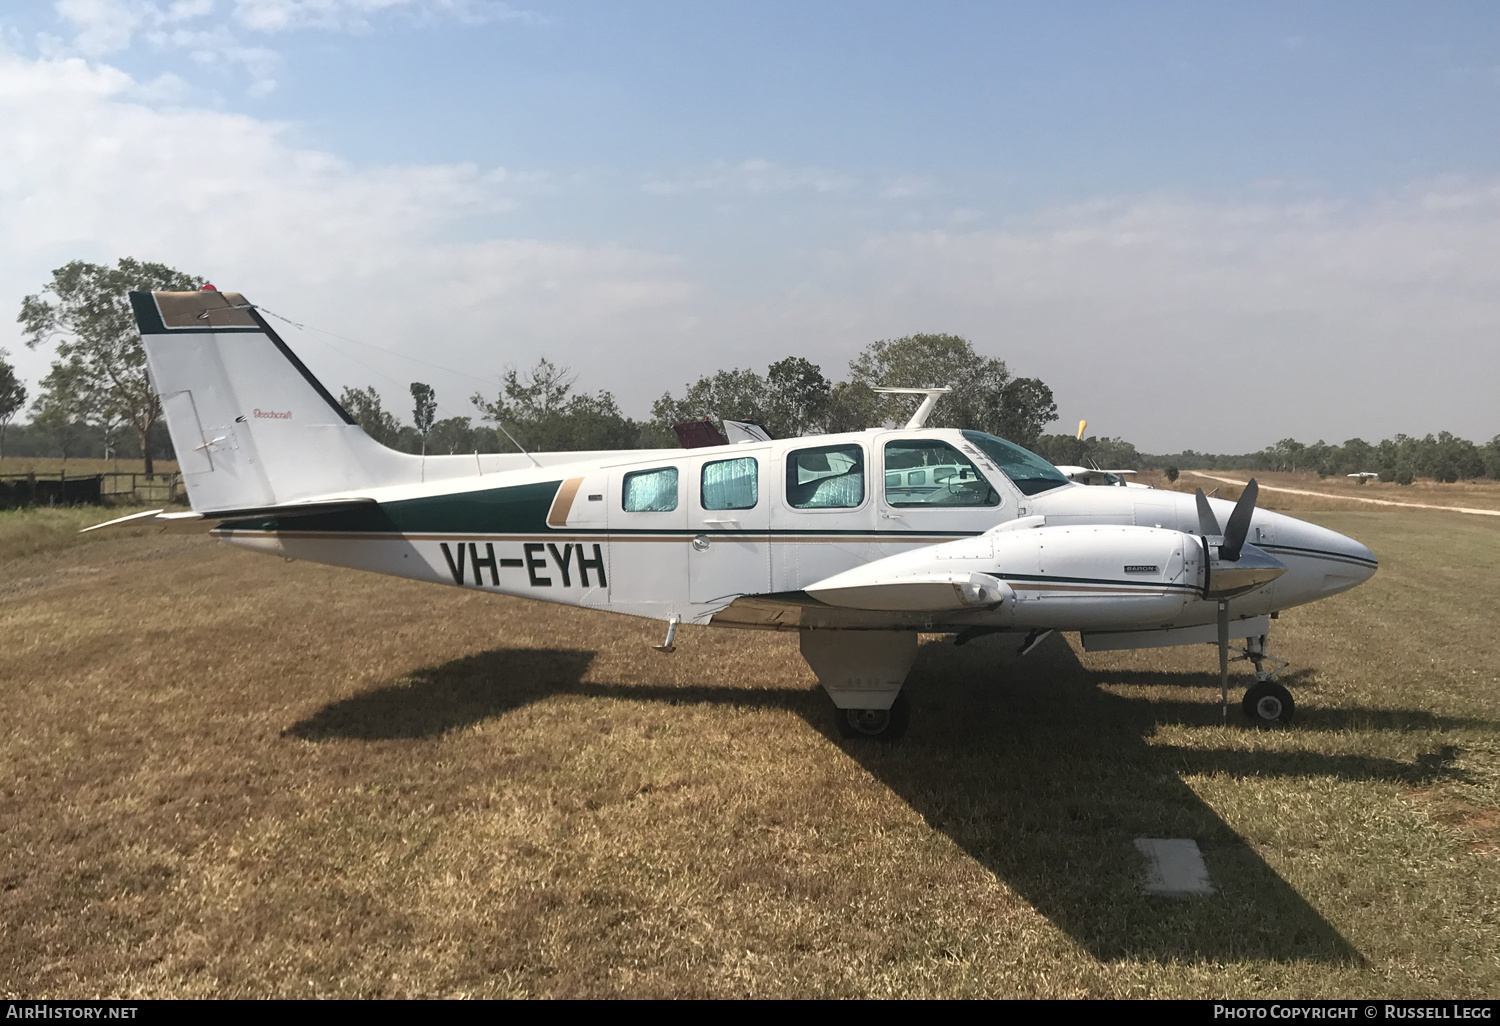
(63, 489)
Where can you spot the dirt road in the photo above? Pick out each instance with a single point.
(1351, 498)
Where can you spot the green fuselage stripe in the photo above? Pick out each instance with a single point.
(511, 510)
(515, 509)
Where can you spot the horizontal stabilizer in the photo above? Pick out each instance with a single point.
(197, 523)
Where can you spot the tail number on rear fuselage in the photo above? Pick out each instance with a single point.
(464, 559)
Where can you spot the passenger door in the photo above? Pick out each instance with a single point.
(648, 538)
(823, 514)
(728, 512)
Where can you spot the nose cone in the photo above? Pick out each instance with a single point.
(1325, 562)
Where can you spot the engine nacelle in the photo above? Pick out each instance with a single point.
(1088, 577)
(1076, 577)
(920, 591)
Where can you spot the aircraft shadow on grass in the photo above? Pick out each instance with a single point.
(1039, 773)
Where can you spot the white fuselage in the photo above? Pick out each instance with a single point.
(647, 533)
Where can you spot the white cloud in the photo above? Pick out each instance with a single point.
(217, 36)
(106, 26)
(909, 187)
(1171, 321)
(356, 15)
(1213, 325)
(90, 173)
(753, 177)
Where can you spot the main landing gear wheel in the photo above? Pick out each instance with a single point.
(1268, 703)
(878, 724)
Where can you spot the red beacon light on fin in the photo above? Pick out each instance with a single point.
(207, 286)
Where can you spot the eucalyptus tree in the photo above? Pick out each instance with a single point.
(85, 312)
(424, 409)
(539, 410)
(12, 397)
(65, 405)
(792, 398)
(985, 395)
(365, 406)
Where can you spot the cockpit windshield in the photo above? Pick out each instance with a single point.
(1028, 471)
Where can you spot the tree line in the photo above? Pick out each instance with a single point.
(1441, 457)
(542, 409)
(96, 399)
(1402, 459)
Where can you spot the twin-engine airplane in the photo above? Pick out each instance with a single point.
(856, 541)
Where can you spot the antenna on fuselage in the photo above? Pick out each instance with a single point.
(517, 444)
(918, 419)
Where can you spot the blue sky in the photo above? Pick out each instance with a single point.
(1115, 197)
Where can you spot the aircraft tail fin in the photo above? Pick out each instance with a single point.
(251, 425)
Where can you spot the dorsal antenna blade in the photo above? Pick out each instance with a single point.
(930, 398)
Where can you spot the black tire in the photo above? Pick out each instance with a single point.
(874, 724)
(1268, 703)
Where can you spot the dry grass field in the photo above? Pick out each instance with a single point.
(1334, 493)
(227, 775)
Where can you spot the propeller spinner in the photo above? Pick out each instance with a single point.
(1232, 567)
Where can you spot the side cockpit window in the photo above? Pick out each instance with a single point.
(828, 477)
(651, 491)
(927, 472)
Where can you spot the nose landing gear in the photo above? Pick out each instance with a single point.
(1266, 702)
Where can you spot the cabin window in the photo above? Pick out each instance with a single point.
(828, 477)
(933, 473)
(651, 491)
(1028, 471)
(730, 484)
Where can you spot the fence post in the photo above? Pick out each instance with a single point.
(31, 487)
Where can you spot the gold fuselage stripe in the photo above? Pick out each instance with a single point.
(562, 503)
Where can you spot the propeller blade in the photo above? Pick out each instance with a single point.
(1208, 524)
(1239, 523)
